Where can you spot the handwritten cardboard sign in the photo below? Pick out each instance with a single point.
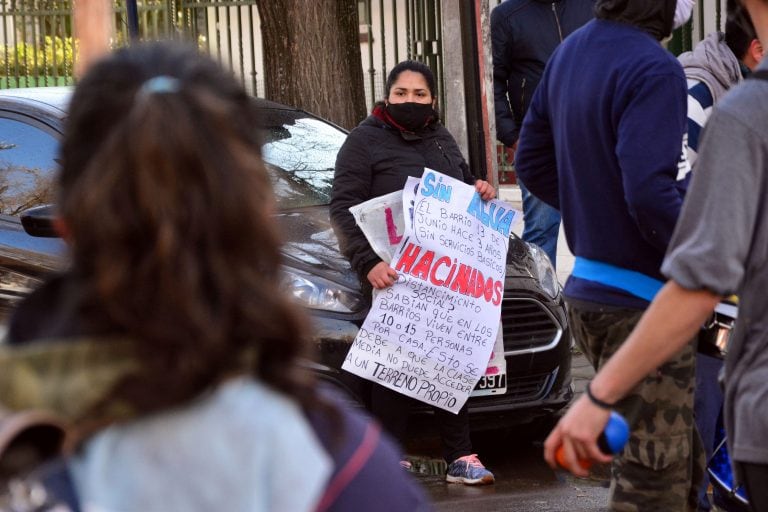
(430, 335)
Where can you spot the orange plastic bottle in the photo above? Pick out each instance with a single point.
(611, 441)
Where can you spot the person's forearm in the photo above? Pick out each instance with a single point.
(672, 319)
(93, 31)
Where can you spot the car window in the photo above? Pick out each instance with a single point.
(300, 152)
(27, 166)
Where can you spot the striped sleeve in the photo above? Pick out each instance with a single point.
(700, 103)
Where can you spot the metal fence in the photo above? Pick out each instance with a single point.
(36, 43)
(37, 48)
(708, 16)
(394, 30)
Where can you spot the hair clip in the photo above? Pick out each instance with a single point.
(160, 85)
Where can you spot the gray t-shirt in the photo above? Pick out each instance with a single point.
(721, 244)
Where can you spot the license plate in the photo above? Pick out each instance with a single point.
(491, 385)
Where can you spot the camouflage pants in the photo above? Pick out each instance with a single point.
(663, 462)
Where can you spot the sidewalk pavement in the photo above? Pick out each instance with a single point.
(581, 369)
(511, 194)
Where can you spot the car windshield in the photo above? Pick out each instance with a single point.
(300, 152)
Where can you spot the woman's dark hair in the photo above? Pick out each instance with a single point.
(167, 202)
(739, 30)
(416, 67)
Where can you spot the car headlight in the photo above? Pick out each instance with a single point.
(545, 272)
(314, 292)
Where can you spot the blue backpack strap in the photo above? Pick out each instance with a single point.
(49, 488)
(57, 480)
(366, 464)
(348, 467)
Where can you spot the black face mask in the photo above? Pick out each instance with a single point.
(411, 116)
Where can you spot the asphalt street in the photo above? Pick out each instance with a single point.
(524, 482)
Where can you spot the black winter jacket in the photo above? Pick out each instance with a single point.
(524, 33)
(377, 159)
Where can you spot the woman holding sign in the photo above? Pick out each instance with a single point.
(401, 137)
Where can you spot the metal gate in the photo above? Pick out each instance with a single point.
(38, 48)
(395, 30)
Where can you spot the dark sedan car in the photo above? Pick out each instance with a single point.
(300, 150)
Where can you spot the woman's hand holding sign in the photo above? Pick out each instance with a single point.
(485, 189)
(382, 276)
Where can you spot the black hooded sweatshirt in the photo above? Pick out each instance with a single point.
(652, 16)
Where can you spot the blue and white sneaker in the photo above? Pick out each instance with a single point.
(468, 470)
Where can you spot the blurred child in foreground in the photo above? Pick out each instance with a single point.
(168, 344)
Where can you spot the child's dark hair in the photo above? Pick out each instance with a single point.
(167, 202)
(416, 67)
(739, 30)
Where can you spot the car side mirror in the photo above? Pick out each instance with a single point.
(39, 221)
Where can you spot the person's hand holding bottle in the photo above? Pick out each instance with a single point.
(577, 434)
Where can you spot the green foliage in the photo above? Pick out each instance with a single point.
(54, 58)
(25, 6)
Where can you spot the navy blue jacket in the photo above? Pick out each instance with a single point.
(602, 142)
(524, 33)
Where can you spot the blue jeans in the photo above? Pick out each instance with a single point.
(542, 223)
